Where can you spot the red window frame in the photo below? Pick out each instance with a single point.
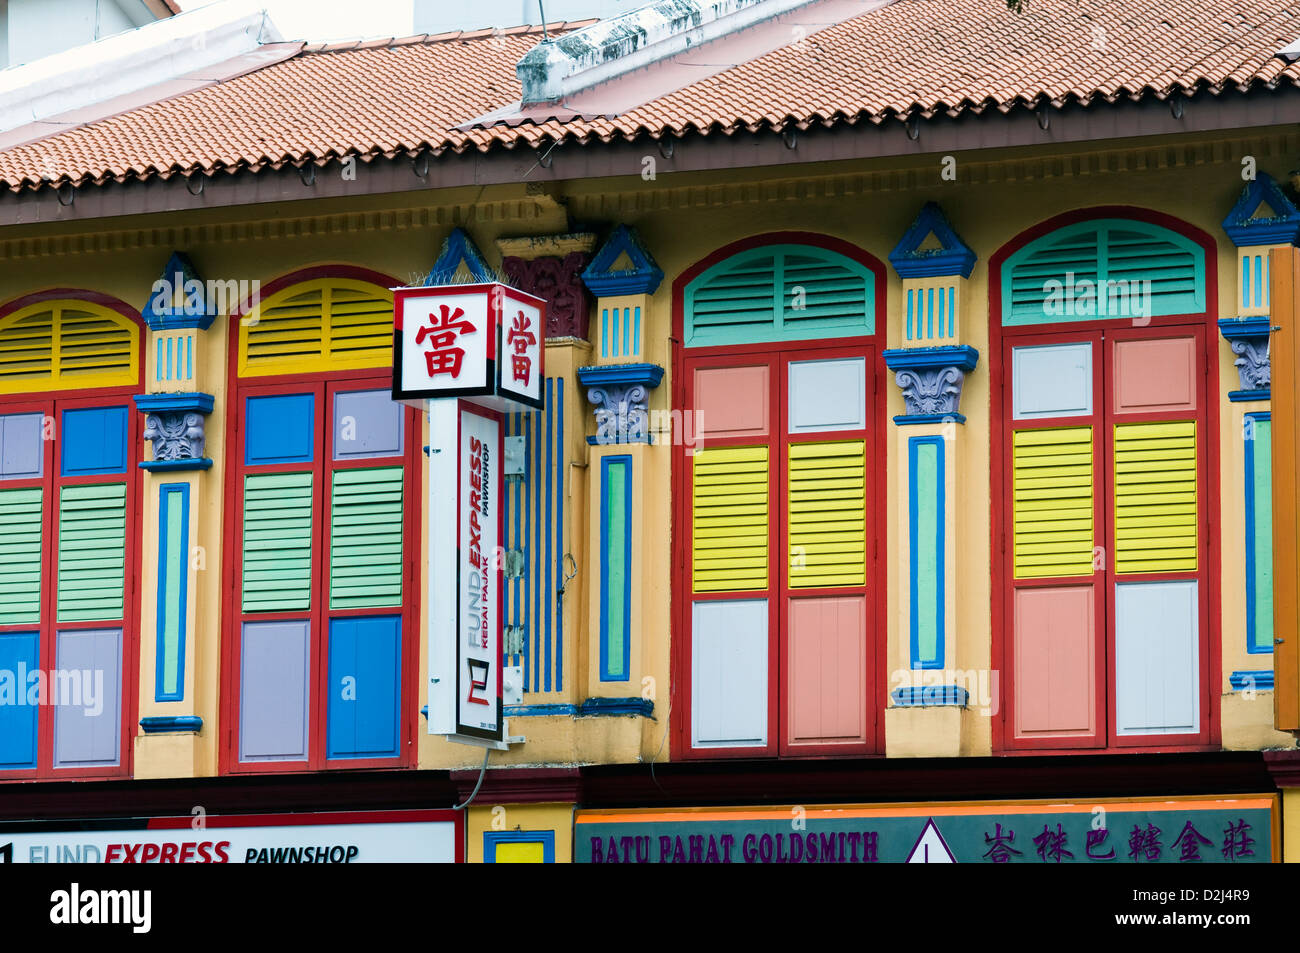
(323, 385)
(51, 406)
(777, 357)
(1104, 333)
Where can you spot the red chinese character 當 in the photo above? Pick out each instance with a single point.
(442, 356)
(520, 339)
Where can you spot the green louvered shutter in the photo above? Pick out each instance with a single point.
(366, 538)
(277, 542)
(780, 293)
(733, 302)
(20, 556)
(92, 552)
(1116, 256)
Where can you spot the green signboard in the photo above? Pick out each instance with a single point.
(1144, 831)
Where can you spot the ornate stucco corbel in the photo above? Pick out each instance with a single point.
(931, 379)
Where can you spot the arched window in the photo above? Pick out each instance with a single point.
(324, 493)
(69, 498)
(777, 513)
(1105, 446)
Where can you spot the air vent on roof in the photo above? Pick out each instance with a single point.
(575, 61)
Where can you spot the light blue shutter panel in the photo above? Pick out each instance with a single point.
(365, 671)
(18, 658)
(274, 691)
(729, 674)
(1157, 658)
(92, 552)
(20, 556)
(85, 689)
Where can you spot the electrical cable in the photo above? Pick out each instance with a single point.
(481, 775)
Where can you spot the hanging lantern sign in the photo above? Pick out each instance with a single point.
(483, 343)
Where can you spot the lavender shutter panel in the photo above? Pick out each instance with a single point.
(86, 690)
(273, 691)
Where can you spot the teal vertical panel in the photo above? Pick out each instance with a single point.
(1259, 280)
(926, 517)
(911, 304)
(1245, 281)
(952, 309)
(604, 332)
(627, 330)
(636, 333)
(929, 314)
(615, 566)
(1259, 533)
(173, 545)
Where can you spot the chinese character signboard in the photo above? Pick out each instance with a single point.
(478, 672)
(1239, 830)
(482, 343)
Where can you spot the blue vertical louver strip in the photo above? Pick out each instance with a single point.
(534, 524)
(550, 588)
(560, 473)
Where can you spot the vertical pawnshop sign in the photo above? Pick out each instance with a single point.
(466, 354)
(478, 583)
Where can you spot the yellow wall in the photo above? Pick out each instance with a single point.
(682, 218)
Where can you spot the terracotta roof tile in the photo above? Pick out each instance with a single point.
(914, 57)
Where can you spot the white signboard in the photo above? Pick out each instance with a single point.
(479, 582)
(333, 838)
(483, 342)
(445, 341)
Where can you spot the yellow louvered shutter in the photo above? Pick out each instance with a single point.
(729, 519)
(317, 325)
(827, 516)
(1155, 497)
(1052, 502)
(64, 345)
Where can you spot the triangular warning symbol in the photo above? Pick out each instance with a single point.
(930, 847)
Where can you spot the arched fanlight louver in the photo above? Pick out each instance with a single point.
(780, 293)
(1103, 268)
(67, 345)
(318, 325)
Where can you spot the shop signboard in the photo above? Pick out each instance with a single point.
(1239, 829)
(466, 354)
(353, 837)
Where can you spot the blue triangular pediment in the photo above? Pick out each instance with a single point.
(178, 299)
(457, 249)
(952, 257)
(642, 278)
(1244, 227)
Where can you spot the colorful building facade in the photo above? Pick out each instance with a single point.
(910, 504)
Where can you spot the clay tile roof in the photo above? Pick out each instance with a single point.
(929, 58)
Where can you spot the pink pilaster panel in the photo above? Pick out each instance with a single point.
(731, 401)
(1055, 678)
(1156, 375)
(827, 689)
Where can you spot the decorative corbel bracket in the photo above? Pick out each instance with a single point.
(1248, 338)
(176, 424)
(931, 379)
(620, 395)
